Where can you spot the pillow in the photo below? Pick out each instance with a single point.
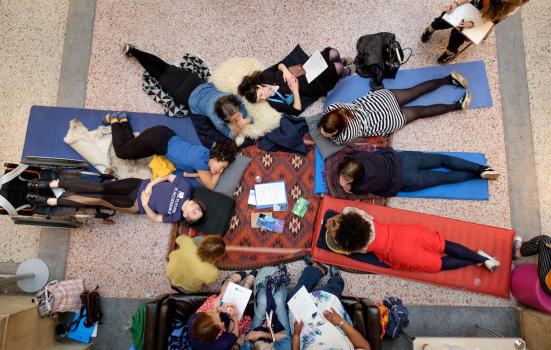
(326, 147)
(219, 211)
(232, 175)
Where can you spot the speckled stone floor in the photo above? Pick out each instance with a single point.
(127, 259)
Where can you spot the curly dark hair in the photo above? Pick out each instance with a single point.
(249, 85)
(353, 232)
(225, 150)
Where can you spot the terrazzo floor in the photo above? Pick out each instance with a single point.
(127, 259)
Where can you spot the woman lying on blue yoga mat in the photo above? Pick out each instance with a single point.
(386, 172)
(280, 87)
(166, 199)
(411, 247)
(382, 112)
(189, 90)
(191, 161)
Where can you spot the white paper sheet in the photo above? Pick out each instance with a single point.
(252, 198)
(237, 295)
(467, 12)
(269, 194)
(302, 306)
(314, 66)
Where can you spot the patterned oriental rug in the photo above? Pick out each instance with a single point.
(248, 247)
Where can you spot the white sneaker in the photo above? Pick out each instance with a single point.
(489, 174)
(492, 263)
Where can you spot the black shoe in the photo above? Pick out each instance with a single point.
(334, 271)
(445, 57)
(127, 49)
(37, 198)
(38, 184)
(426, 35)
(308, 261)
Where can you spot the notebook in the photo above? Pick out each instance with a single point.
(467, 12)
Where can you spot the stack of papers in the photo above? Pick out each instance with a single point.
(271, 195)
(314, 66)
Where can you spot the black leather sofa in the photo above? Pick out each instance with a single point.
(165, 308)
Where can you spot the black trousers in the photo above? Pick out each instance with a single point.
(118, 195)
(177, 82)
(150, 142)
(456, 38)
(538, 245)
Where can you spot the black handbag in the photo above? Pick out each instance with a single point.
(379, 56)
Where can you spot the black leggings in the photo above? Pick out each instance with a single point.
(118, 195)
(456, 38)
(405, 96)
(150, 142)
(537, 245)
(459, 256)
(177, 82)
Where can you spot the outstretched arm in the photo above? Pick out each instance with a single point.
(355, 337)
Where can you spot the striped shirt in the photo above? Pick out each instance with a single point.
(375, 114)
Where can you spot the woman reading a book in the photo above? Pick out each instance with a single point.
(490, 10)
(283, 87)
(382, 112)
(408, 247)
(215, 326)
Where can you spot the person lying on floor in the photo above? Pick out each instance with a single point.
(270, 299)
(408, 247)
(282, 87)
(540, 245)
(215, 326)
(167, 199)
(194, 162)
(386, 172)
(382, 112)
(192, 266)
(331, 327)
(191, 91)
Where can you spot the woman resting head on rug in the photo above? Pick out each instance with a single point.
(409, 247)
(386, 172)
(215, 326)
(193, 92)
(194, 162)
(382, 112)
(282, 87)
(167, 199)
(192, 266)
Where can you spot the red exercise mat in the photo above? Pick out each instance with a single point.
(493, 240)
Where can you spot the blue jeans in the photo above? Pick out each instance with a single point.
(417, 173)
(280, 298)
(310, 278)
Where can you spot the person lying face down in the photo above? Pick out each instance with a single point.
(167, 199)
(191, 161)
(230, 109)
(283, 87)
(386, 172)
(409, 247)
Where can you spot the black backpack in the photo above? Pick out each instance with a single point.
(379, 56)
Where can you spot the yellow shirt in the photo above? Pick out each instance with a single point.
(186, 270)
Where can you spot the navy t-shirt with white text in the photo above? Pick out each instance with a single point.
(167, 198)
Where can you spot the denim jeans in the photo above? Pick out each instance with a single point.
(310, 278)
(418, 174)
(280, 298)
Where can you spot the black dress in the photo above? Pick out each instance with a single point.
(309, 93)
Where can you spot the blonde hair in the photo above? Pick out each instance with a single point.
(499, 9)
(211, 248)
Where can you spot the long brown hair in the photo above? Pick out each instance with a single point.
(249, 85)
(351, 168)
(499, 9)
(211, 248)
(204, 329)
(335, 120)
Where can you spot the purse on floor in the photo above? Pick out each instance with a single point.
(60, 296)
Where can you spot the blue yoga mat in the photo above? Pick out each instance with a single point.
(353, 87)
(476, 189)
(48, 126)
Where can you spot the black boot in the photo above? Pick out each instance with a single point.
(37, 198)
(38, 184)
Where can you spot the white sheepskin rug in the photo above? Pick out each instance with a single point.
(96, 147)
(227, 78)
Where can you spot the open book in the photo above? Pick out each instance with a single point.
(465, 13)
(302, 305)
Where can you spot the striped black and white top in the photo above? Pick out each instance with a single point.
(375, 114)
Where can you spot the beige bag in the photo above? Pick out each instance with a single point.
(66, 295)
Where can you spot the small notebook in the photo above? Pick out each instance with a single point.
(467, 12)
(314, 66)
(271, 195)
(302, 305)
